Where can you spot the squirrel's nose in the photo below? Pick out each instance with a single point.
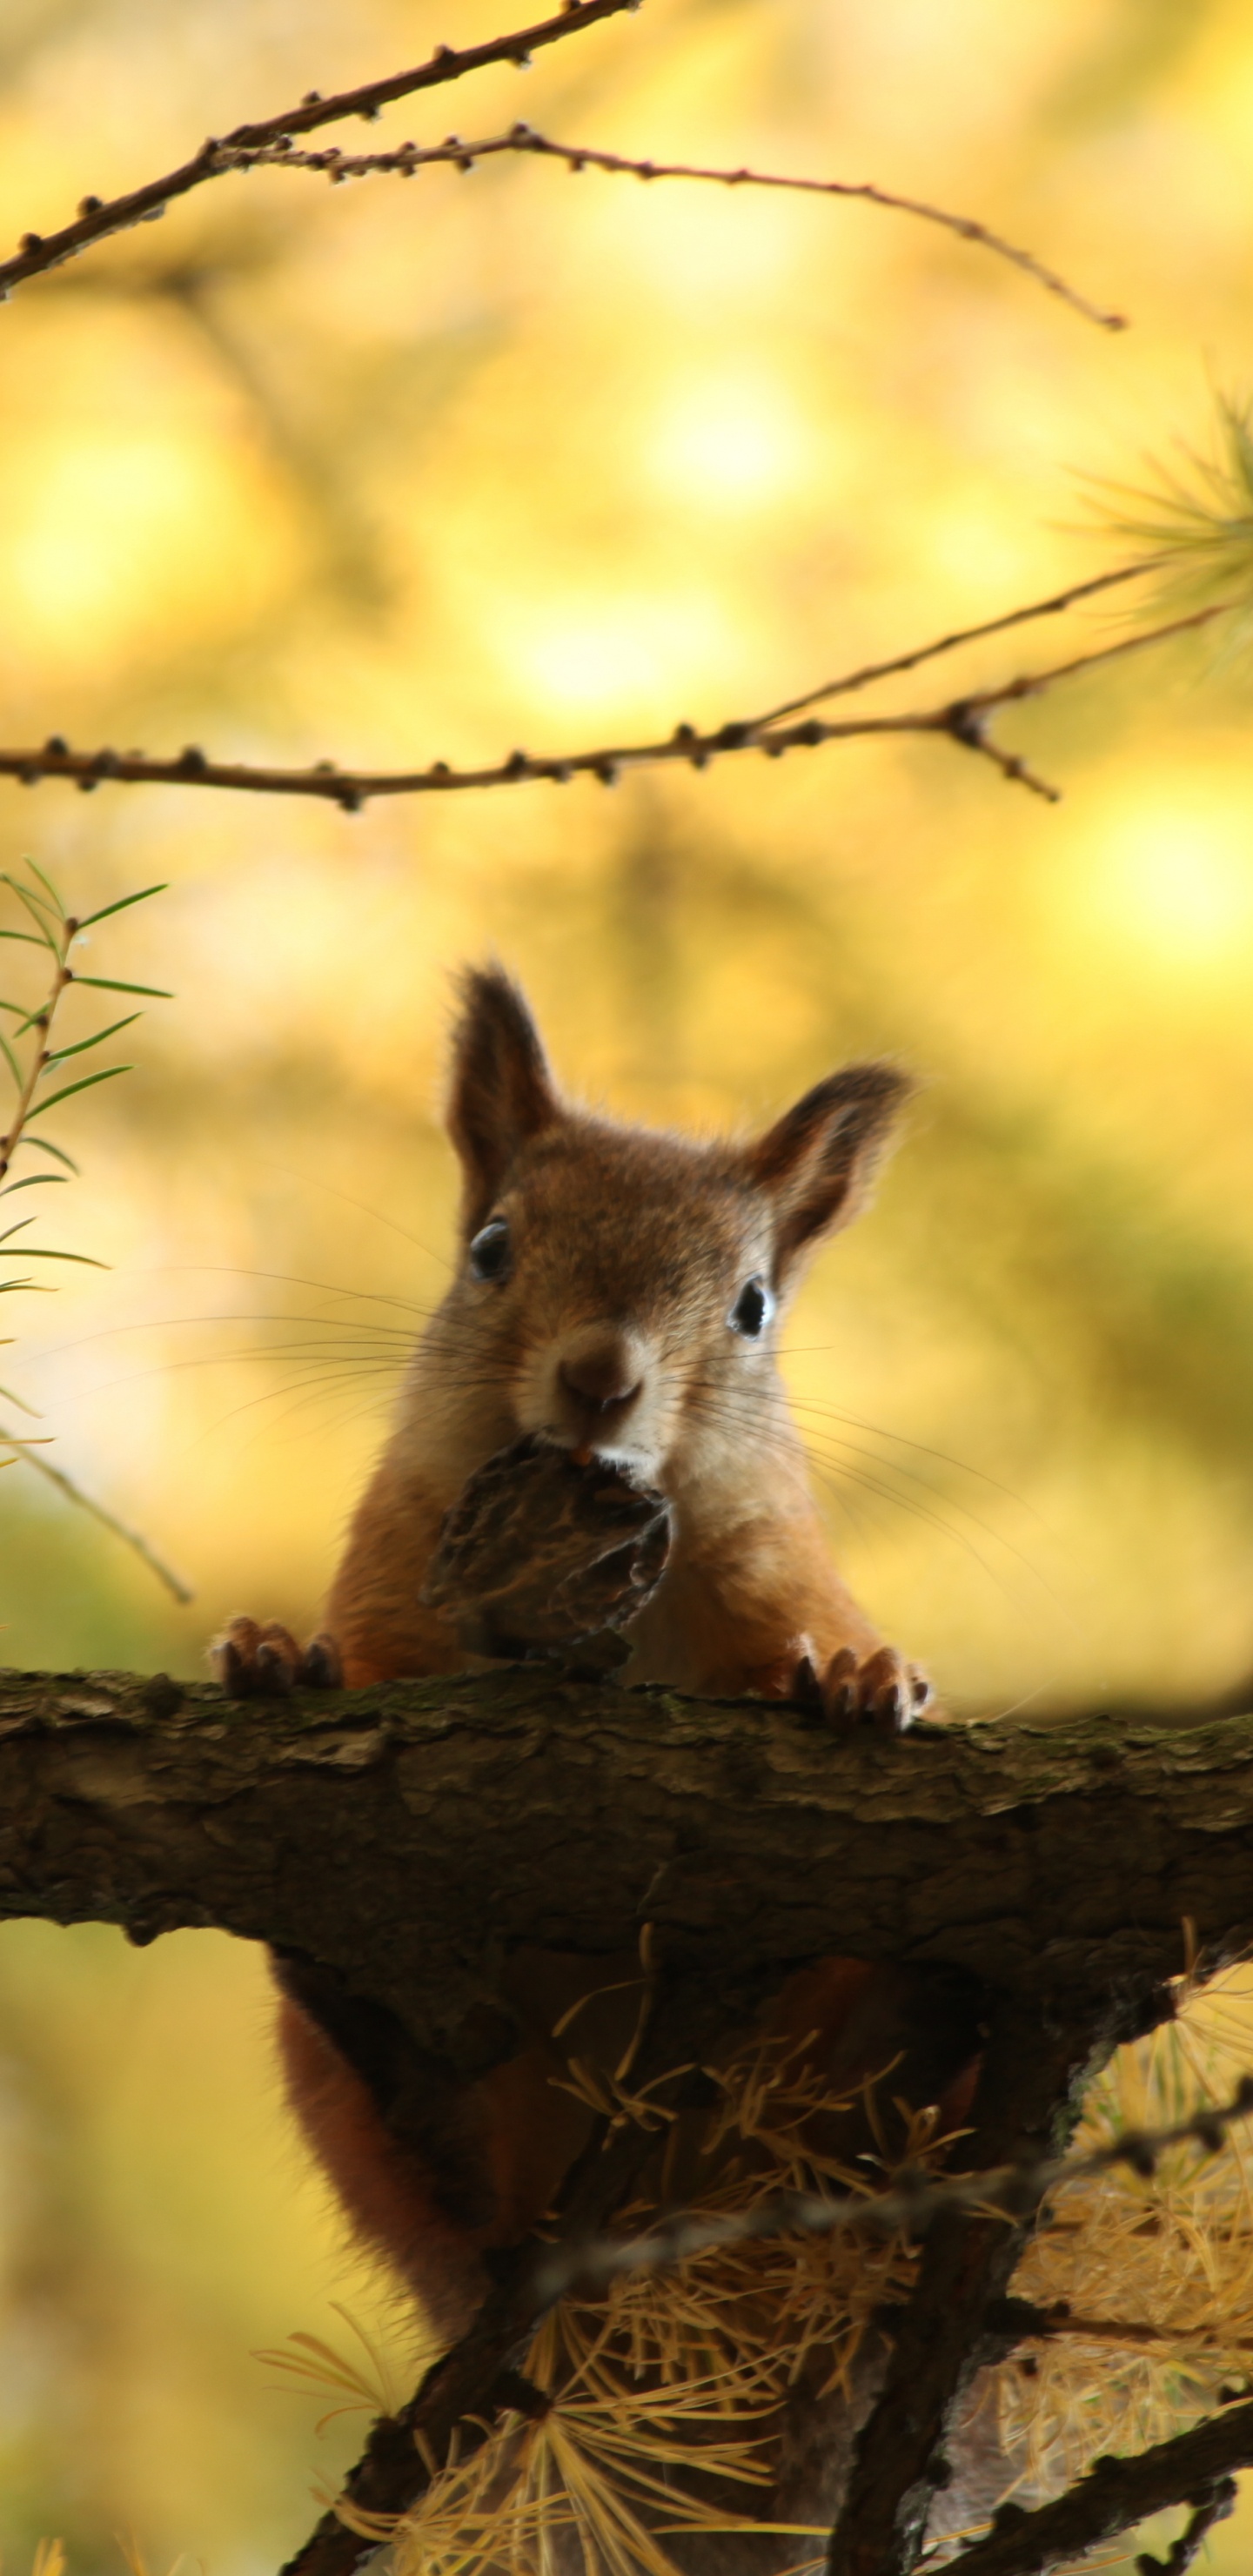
(600, 1380)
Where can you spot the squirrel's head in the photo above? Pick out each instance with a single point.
(618, 1288)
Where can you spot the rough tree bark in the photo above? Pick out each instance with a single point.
(408, 1836)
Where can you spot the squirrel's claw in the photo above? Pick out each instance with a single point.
(255, 1660)
(880, 1690)
(321, 1666)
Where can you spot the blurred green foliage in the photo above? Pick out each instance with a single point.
(395, 472)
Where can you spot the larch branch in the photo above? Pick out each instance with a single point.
(98, 219)
(909, 2206)
(1194, 2468)
(31, 1455)
(899, 663)
(462, 154)
(964, 720)
(478, 2377)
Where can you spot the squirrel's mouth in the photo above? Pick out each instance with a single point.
(638, 1458)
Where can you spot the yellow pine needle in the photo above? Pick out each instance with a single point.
(1161, 2268)
(377, 2527)
(609, 2099)
(671, 2373)
(308, 2361)
(679, 2374)
(132, 2555)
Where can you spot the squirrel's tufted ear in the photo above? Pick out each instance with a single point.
(502, 1092)
(815, 1165)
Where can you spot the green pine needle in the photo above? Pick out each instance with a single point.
(40, 1252)
(59, 1054)
(109, 984)
(1193, 523)
(46, 883)
(83, 1084)
(120, 906)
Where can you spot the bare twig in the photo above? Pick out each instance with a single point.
(1195, 2468)
(408, 158)
(916, 2198)
(962, 720)
(99, 1511)
(967, 720)
(31, 1456)
(866, 672)
(99, 218)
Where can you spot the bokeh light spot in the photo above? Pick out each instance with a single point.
(115, 531)
(621, 653)
(729, 444)
(1175, 879)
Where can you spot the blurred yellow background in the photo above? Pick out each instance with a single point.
(393, 472)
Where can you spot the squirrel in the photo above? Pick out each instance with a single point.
(617, 1293)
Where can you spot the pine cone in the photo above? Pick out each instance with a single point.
(539, 1550)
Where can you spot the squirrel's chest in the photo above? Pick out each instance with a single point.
(734, 1606)
(706, 1629)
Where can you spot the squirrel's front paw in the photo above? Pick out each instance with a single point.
(880, 1690)
(261, 1660)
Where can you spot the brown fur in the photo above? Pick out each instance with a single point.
(629, 1250)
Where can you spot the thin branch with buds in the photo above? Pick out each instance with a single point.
(1195, 2468)
(964, 720)
(32, 1455)
(408, 158)
(908, 2208)
(98, 218)
(900, 663)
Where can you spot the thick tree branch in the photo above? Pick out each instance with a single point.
(461, 154)
(964, 720)
(408, 1836)
(99, 218)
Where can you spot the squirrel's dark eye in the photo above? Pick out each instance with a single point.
(490, 1250)
(752, 1310)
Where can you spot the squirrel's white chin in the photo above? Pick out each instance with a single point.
(641, 1463)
